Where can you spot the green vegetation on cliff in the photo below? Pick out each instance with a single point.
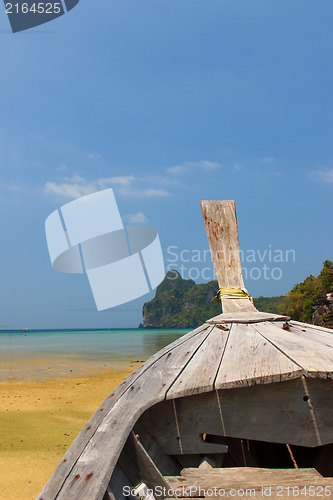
(180, 303)
(269, 304)
(307, 301)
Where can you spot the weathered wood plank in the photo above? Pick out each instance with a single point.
(162, 422)
(199, 374)
(315, 327)
(313, 335)
(296, 415)
(245, 317)
(248, 482)
(249, 474)
(221, 227)
(249, 359)
(90, 475)
(55, 483)
(167, 464)
(283, 412)
(316, 359)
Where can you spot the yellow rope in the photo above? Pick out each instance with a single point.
(232, 293)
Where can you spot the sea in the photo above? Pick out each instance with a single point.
(22, 352)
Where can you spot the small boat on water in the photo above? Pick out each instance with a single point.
(241, 406)
(25, 329)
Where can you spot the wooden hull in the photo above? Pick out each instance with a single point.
(194, 399)
(246, 389)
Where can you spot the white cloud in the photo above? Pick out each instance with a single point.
(187, 165)
(178, 169)
(14, 188)
(204, 164)
(267, 159)
(124, 180)
(75, 178)
(324, 175)
(94, 156)
(237, 166)
(138, 218)
(160, 193)
(139, 192)
(161, 180)
(62, 166)
(77, 186)
(66, 190)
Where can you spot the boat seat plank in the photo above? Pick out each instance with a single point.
(199, 374)
(249, 474)
(194, 482)
(250, 359)
(56, 481)
(146, 391)
(316, 359)
(246, 317)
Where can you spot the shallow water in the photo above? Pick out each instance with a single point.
(90, 345)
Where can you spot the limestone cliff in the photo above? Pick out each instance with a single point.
(180, 303)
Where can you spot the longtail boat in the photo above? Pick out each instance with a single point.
(243, 403)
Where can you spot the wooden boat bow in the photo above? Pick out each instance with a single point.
(196, 386)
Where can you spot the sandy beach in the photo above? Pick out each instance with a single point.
(41, 415)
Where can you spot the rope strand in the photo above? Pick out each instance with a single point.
(232, 293)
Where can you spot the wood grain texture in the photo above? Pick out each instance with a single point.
(313, 327)
(175, 439)
(222, 233)
(199, 374)
(249, 359)
(167, 464)
(54, 485)
(249, 474)
(315, 358)
(282, 412)
(234, 482)
(246, 317)
(318, 336)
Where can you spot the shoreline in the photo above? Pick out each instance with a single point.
(42, 371)
(41, 414)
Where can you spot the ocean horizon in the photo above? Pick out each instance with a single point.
(19, 349)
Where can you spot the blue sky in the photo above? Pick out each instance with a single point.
(168, 103)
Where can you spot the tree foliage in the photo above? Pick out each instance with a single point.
(304, 297)
(181, 303)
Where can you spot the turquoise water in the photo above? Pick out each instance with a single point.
(84, 345)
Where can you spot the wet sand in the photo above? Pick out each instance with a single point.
(41, 414)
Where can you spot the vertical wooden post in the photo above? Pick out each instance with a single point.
(222, 232)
